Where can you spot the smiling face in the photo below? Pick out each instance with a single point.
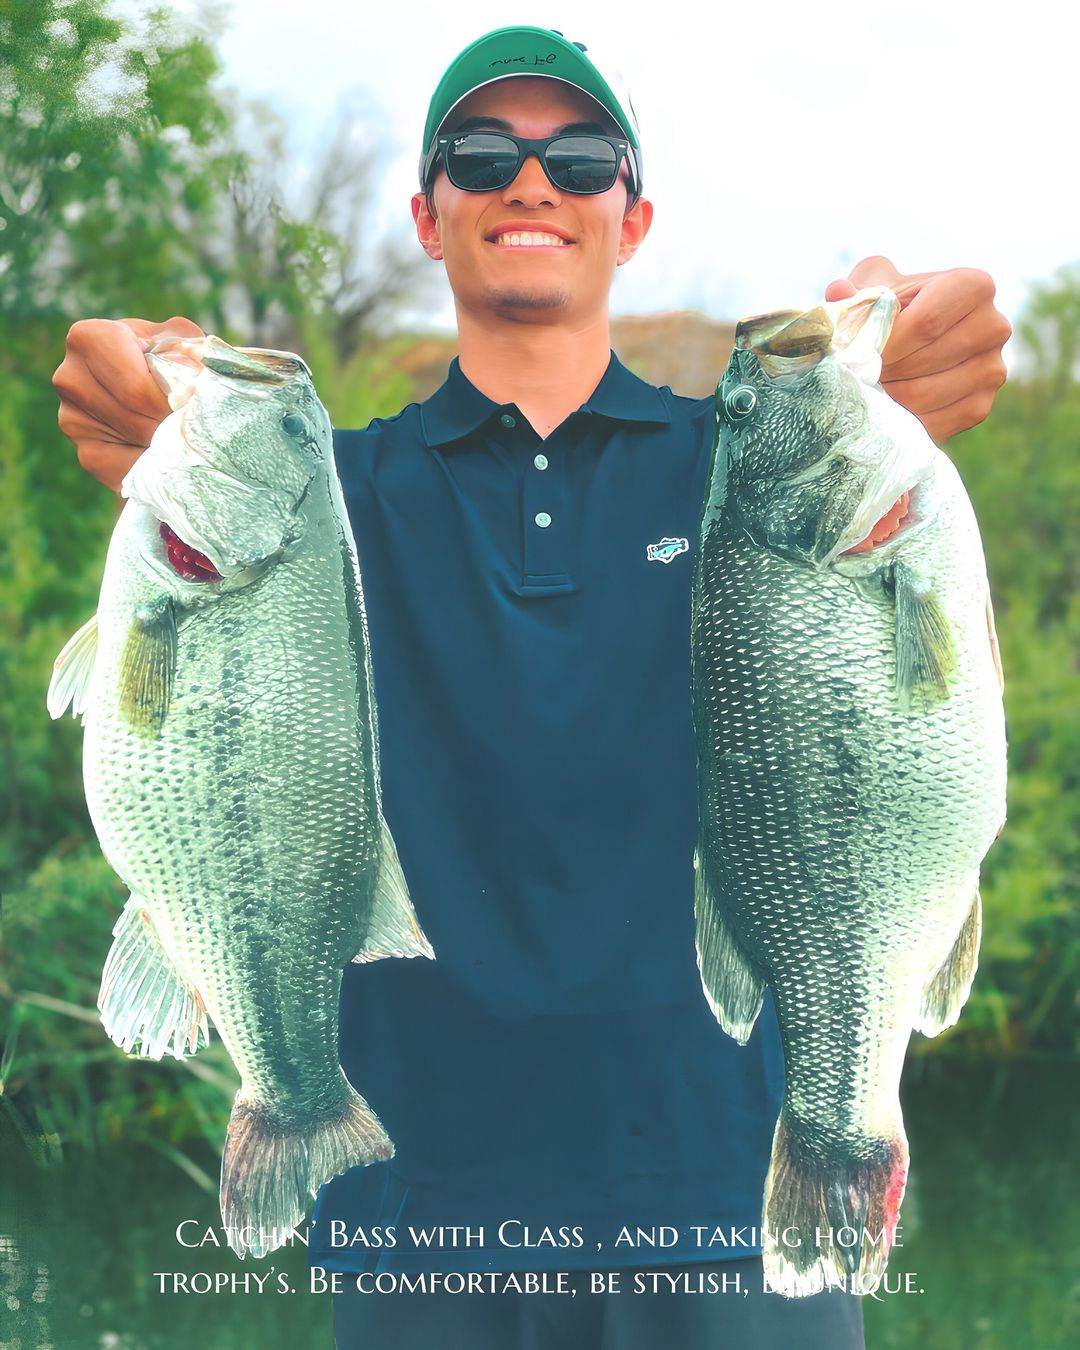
(568, 246)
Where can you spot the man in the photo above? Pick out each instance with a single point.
(555, 1077)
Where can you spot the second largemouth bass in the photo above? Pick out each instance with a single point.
(851, 749)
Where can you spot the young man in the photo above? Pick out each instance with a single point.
(556, 1074)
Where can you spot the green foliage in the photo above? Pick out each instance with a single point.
(1050, 329)
(61, 1079)
(1023, 474)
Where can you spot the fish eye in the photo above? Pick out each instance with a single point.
(293, 424)
(740, 401)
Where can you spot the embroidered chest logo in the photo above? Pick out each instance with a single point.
(666, 550)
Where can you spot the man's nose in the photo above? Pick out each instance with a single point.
(531, 187)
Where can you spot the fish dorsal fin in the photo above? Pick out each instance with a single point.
(72, 672)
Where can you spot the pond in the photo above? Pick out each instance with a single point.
(990, 1228)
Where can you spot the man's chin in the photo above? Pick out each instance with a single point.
(511, 300)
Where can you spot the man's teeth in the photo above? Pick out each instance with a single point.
(530, 239)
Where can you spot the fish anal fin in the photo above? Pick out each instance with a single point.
(946, 992)
(733, 990)
(148, 667)
(392, 928)
(925, 655)
(72, 672)
(147, 1006)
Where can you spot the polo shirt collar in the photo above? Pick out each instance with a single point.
(457, 408)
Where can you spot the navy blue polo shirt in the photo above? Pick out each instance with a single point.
(557, 1065)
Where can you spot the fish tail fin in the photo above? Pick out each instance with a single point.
(732, 988)
(947, 991)
(270, 1168)
(147, 1006)
(393, 929)
(830, 1212)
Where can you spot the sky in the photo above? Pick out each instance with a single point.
(782, 142)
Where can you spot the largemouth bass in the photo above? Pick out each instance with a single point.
(851, 753)
(231, 769)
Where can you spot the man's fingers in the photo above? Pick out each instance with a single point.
(959, 416)
(104, 374)
(977, 332)
(176, 326)
(927, 394)
(108, 461)
(940, 304)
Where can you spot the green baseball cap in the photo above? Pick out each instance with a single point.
(506, 52)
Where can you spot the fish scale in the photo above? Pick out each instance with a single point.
(231, 770)
(843, 816)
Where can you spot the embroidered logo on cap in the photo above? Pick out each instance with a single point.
(666, 549)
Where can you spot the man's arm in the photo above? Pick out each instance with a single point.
(943, 358)
(110, 405)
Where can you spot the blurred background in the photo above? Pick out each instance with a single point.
(251, 170)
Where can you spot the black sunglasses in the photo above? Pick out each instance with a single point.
(484, 161)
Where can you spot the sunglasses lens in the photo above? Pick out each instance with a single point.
(582, 164)
(481, 161)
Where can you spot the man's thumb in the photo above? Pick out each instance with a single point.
(874, 271)
(839, 290)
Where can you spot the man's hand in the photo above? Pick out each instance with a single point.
(110, 404)
(943, 357)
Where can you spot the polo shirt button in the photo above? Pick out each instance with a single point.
(542, 519)
(541, 461)
(507, 420)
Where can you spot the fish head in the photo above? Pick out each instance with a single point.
(818, 454)
(228, 471)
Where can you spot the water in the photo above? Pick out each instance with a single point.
(990, 1229)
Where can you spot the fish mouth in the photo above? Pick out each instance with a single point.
(186, 561)
(786, 341)
(177, 362)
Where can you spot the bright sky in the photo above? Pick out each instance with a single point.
(782, 141)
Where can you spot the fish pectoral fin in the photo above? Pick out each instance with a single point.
(392, 927)
(995, 650)
(925, 655)
(947, 991)
(733, 989)
(72, 671)
(147, 1007)
(148, 666)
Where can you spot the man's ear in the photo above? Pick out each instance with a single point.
(427, 227)
(635, 227)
